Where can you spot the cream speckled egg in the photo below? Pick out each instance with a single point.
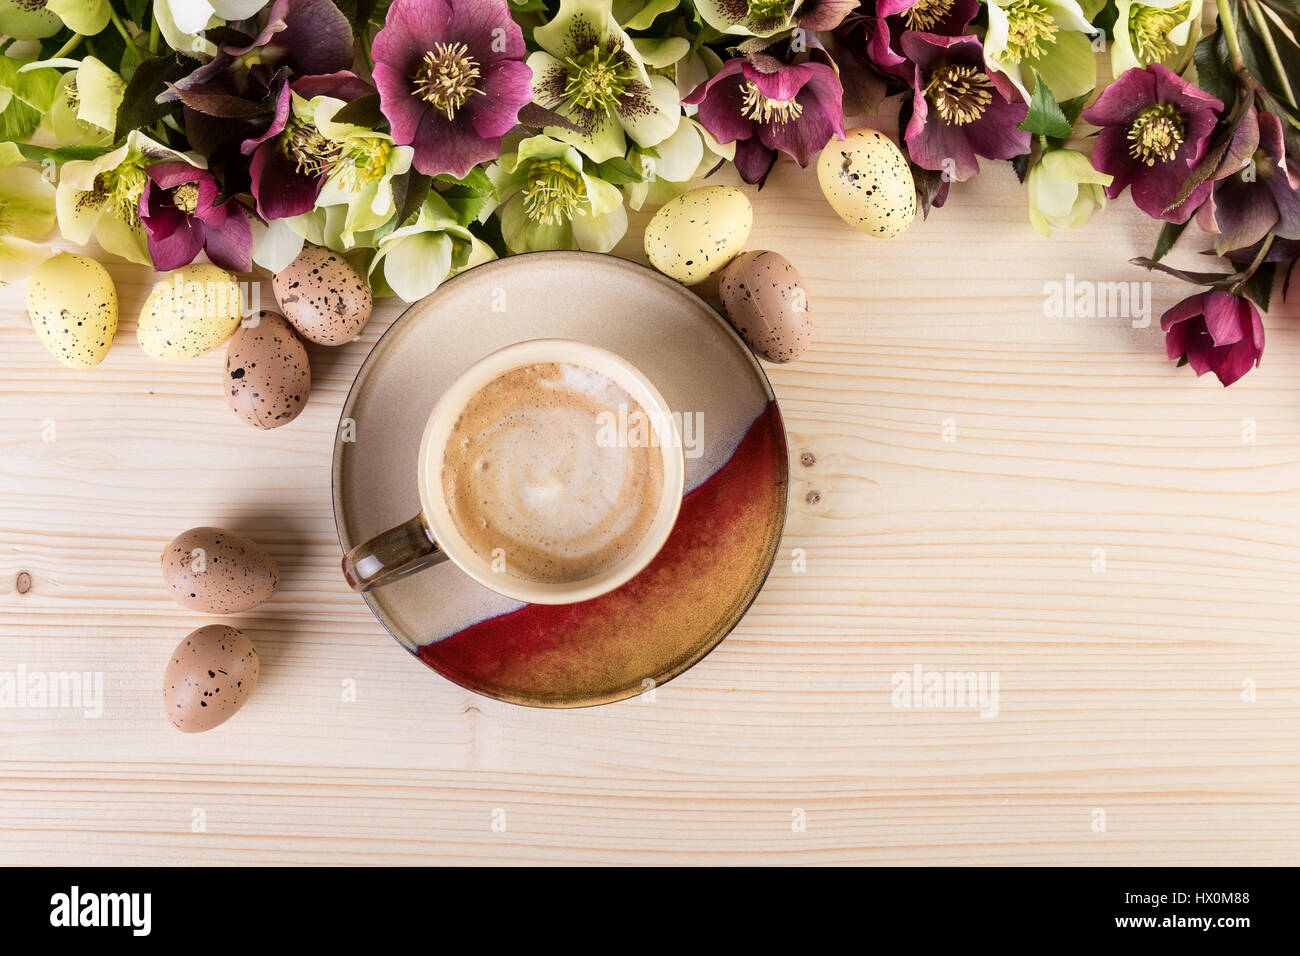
(764, 299)
(72, 303)
(695, 235)
(218, 572)
(209, 677)
(866, 180)
(268, 376)
(189, 312)
(323, 297)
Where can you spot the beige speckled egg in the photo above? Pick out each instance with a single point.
(189, 312)
(209, 677)
(695, 235)
(323, 297)
(72, 303)
(866, 180)
(218, 572)
(267, 374)
(764, 299)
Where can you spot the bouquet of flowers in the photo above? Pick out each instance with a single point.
(420, 137)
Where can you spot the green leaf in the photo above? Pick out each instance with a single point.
(1213, 72)
(363, 111)
(140, 108)
(619, 172)
(1169, 234)
(1046, 118)
(28, 96)
(63, 154)
(476, 183)
(1072, 108)
(1259, 287)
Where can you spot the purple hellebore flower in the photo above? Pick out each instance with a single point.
(959, 111)
(893, 18)
(291, 159)
(1256, 194)
(1216, 332)
(452, 79)
(182, 218)
(796, 110)
(1155, 130)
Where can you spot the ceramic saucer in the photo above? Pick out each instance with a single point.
(699, 586)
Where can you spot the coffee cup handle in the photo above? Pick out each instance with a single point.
(395, 553)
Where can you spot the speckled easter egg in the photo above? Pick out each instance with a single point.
(218, 572)
(866, 180)
(267, 374)
(323, 297)
(209, 677)
(72, 303)
(695, 235)
(763, 297)
(189, 312)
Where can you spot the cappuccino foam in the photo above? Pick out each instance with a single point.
(525, 471)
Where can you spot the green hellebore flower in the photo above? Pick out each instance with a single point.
(361, 177)
(641, 14)
(689, 153)
(1050, 36)
(26, 214)
(84, 111)
(1064, 191)
(759, 18)
(414, 260)
(550, 202)
(86, 17)
(1155, 31)
(28, 20)
(101, 197)
(593, 74)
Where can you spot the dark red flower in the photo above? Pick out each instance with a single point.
(182, 218)
(1215, 332)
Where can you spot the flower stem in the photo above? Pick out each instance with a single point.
(121, 28)
(153, 35)
(1230, 35)
(1255, 264)
(69, 46)
(1252, 7)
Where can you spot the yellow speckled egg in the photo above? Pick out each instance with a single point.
(189, 312)
(695, 235)
(72, 303)
(866, 180)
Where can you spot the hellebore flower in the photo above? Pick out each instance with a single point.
(1258, 196)
(686, 155)
(1155, 130)
(960, 111)
(1064, 191)
(591, 73)
(1050, 36)
(885, 21)
(182, 219)
(451, 80)
(26, 214)
(550, 202)
(292, 158)
(414, 260)
(361, 176)
(795, 110)
(1215, 332)
(1154, 31)
(760, 18)
(84, 110)
(28, 20)
(101, 197)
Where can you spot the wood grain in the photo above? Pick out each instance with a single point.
(977, 486)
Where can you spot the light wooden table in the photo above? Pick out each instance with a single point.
(976, 487)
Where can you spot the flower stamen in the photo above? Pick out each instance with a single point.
(927, 14)
(766, 10)
(1156, 134)
(185, 197)
(313, 154)
(960, 93)
(447, 77)
(763, 109)
(554, 193)
(363, 163)
(597, 79)
(119, 187)
(1031, 29)
(1149, 29)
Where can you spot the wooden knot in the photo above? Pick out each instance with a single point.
(813, 497)
(23, 582)
(807, 459)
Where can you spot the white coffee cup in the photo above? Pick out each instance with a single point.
(431, 536)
